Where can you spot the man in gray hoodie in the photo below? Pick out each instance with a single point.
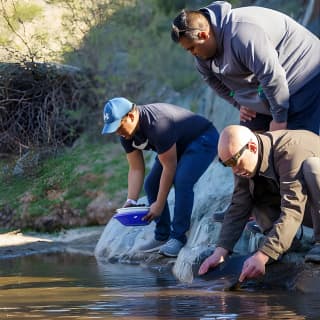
(260, 60)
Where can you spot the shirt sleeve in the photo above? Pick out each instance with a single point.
(254, 49)
(237, 214)
(127, 145)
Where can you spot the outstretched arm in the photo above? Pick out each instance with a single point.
(215, 259)
(254, 266)
(168, 160)
(135, 174)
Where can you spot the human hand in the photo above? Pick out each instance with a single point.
(246, 114)
(254, 266)
(215, 259)
(277, 125)
(129, 203)
(154, 212)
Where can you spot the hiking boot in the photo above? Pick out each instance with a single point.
(313, 254)
(151, 246)
(171, 248)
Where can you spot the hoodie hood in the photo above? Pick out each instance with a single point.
(218, 14)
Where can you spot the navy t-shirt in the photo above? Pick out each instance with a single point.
(161, 125)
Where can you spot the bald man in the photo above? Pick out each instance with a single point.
(277, 180)
(260, 60)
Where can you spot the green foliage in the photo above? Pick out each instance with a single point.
(26, 12)
(3, 39)
(21, 38)
(168, 6)
(73, 176)
(11, 187)
(13, 17)
(120, 51)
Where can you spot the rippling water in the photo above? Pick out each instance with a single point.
(73, 286)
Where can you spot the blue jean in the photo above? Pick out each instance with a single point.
(192, 164)
(304, 111)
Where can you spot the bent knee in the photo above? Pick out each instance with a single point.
(311, 166)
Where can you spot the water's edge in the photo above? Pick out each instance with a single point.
(17, 244)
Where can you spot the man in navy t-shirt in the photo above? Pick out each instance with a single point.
(185, 143)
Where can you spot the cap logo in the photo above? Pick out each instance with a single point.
(114, 110)
(107, 117)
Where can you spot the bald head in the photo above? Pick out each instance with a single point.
(234, 139)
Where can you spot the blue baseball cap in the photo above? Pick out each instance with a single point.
(113, 112)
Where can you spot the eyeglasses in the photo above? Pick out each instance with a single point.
(232, 162)
(176, 32)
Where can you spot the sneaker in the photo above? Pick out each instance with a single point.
(314, 254)
(171, 248)
(253, 227)
(151, 246)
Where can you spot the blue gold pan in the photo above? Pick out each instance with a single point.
(132, 216)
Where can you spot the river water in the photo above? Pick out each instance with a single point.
(75, 286)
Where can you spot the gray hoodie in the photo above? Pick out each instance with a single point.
(263, 57)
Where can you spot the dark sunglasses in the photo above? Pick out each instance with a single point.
(176, 33)
(232, 162)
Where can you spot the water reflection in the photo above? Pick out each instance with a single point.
(65, 286)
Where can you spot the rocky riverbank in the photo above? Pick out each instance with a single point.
(16, 244)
